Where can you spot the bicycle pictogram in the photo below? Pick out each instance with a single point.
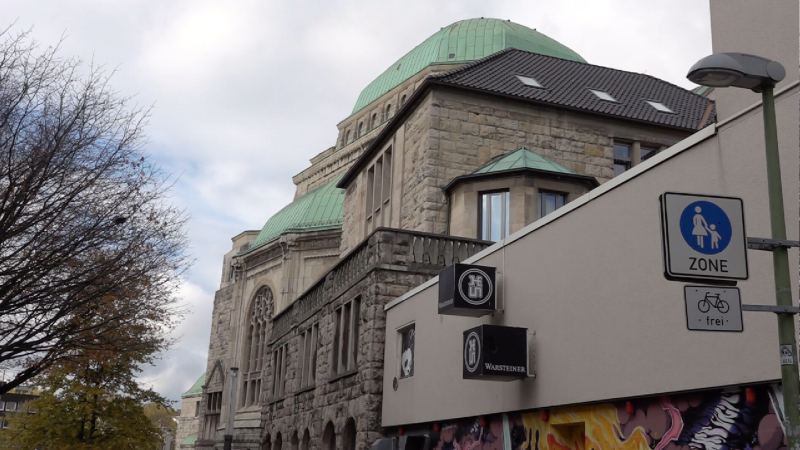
(710, 300)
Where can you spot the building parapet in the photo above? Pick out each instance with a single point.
(385, 248)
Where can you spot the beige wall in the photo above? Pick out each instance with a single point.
(767, 28)
(524, 208)
(588, 281)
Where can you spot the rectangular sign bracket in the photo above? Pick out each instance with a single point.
(769, 244)
(772, 308)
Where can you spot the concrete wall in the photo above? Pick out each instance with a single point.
(767, 28)
(588, 281)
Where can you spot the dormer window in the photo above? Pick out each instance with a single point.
(528, 81)
(659, 106)
(603, 95)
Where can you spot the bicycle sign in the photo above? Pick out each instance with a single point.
(710, 308)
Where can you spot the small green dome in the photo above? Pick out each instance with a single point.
(463, 41)
(320, 209)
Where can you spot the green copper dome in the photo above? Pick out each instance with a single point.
(463, 41)
(320, 209)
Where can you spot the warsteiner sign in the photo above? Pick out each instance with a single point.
(467, 290)
(497, 353)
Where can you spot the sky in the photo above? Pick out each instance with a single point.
(245, 92)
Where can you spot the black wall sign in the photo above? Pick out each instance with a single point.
(467, 290)
(493, 352)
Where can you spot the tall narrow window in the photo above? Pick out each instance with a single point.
(407, 338)
(389, 111)
(495, 215)
(361, 129)
(255, 347)
(279, 372)
(403, 101)
(374, 120)
(379, 191)
(308, 364)
(347, 137)
(550, 201)
(345, 339)
(213, 411)
(622, 157)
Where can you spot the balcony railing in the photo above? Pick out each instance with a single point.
(385, 248)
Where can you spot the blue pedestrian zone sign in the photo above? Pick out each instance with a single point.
(703, 237)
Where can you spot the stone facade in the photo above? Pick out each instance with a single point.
(384, 266)
(189, 420)
(450, 133)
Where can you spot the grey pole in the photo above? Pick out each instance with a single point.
(780, 259)
(231, 409)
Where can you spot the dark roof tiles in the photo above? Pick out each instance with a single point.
(566, 83)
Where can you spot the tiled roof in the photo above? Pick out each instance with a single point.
(320, 209)
(463, 41)
(522, 158)
(197, 387)
(567, 84)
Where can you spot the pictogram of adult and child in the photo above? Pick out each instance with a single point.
(705, 227)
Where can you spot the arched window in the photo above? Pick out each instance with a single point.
(278, 442)
(349, 435)
(374, 120)
(347, 137)
(267, 445)
(389, 111)
(361, 129)
(329, 437)
(255, 346)
(306, 442)
(402, 101)
(294, 442)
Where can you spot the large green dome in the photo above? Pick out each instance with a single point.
(463, 41)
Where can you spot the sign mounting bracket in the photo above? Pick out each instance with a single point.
(772, 308)
(754, 243)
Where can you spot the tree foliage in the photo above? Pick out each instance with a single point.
(89, 241)
(89, 402)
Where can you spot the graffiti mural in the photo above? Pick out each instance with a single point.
(733, 419)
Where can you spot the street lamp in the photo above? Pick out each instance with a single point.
(760, 75)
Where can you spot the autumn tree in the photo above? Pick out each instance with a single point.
(88, 402)
(84, 217)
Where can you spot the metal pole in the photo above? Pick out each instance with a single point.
(231, 409)
(780, 259)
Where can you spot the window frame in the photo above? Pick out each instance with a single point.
(401, 331)
(347, 317)
(279, 356)
(379, 180)
(629, 160)
(505, 214)
(308, 363)
(541, 204)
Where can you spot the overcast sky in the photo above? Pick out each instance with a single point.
(246, 92)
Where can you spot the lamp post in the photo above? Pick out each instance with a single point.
(231, 409)
(760, 75)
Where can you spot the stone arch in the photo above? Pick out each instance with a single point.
(254, 348)
(347, 137)
(267, 444)
(403, 101)
(294, 442)
(388, 111)
(349, 435)
(305, 444)
(328, 437)
(374, 120)
(361, 129)
(278, 442)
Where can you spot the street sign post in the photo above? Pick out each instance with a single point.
(710, 308)
(703, 237)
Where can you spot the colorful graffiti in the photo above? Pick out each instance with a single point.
(732, 419)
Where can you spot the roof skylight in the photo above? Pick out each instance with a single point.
(659, 106)
(603, 95)
(528, 81)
